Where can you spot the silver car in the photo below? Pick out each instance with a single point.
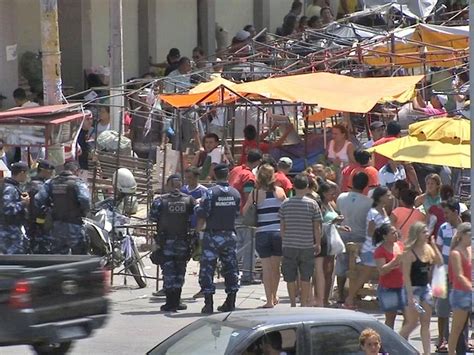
(288, 331)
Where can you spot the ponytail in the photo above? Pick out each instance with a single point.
(381, 232)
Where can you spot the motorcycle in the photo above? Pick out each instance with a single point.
(115, 245)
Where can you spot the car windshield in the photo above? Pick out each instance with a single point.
(202, 337)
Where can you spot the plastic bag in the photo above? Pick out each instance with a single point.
(439, 285)
(335, 244)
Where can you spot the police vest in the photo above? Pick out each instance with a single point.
(175, 211)
(66, 206)
(224, 207)
(16, 219)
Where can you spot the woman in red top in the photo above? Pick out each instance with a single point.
(390, 293)
(460, 267)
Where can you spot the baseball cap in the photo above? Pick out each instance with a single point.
(221, 168)
(443, 99)
(173, 177)
(286, 161)
(18, 167)
(45, 164)
(393, 128)
(376, 124)
(242, 35)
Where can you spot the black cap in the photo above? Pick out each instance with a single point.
(18, 167)
(2, 97)
(221, 168)
(45, 165)
(393, 128)
(376, 124)
(174, 177)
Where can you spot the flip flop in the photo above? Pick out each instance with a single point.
(265, 307)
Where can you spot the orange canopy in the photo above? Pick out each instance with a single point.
(330, 91)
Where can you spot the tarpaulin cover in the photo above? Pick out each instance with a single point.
(421, 8)
(329, 91)
(437, 45)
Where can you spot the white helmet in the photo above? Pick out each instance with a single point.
(126, 183)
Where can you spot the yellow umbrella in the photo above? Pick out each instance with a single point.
(445, 129)
(416, 150)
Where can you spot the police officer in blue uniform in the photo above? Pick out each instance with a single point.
(69, 199)
(218, 208)
(37, 230)
(13, 207)
(172, 213)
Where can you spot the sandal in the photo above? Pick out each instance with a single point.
(442, 347)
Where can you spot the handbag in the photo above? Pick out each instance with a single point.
(250, 217)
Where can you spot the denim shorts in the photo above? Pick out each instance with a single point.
(423, 294)
(460, 300)
(367, 258)
(392, 299)
(268, 244)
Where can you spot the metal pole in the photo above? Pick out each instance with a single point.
(51, 53)
(471, 94)
(116, 62)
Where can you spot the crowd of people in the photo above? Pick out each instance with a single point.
(404, 230)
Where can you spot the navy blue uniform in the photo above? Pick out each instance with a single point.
(219, 206)
(172, 212)
(12, 218)
(69, 198)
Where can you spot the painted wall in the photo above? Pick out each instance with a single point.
(28, 25)
(176, 26)
(8, 36)
(234, 15)
(278, 10)
(130, 39)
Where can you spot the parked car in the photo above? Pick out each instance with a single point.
(291, 331)
(48, 301)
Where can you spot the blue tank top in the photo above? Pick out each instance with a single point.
(267, 211)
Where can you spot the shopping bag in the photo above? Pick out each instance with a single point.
(335, 244)
(439, 285)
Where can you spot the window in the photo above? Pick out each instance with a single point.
(274, 342)
(334, 340)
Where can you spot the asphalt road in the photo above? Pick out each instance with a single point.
(136, 324)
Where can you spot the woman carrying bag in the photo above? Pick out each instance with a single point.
(268, 198)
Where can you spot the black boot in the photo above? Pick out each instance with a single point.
(179, 305)
(208, 305)
(229, 304)
(170, 305)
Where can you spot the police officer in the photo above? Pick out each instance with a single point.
(37, 231)
(172, 213)
(219, 208)
(69, 199)
(13, 208)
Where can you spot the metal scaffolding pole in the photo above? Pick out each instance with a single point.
(116, 62)
(50, 51)
(471, 94)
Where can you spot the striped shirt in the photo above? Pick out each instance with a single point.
(445, 235)
(298, 214)
(267, 211)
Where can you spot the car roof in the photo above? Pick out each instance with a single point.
(260, 317)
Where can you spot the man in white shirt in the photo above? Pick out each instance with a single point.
(19, 95)
(354, 206)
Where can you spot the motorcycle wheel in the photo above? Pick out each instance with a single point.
(137, 269)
